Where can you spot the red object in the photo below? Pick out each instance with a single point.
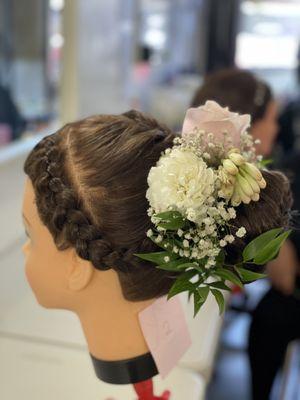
(144, 390)
(236, 290)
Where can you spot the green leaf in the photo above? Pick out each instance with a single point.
(168, 215)
(199, 268)
(219, 285)
(203, 292)
(157, 258)
(176, 265)
(179, 286)
(187, 275)
(264, 163)
(257, 244)
(271, 250)
(198, 302)
(249, 276)
(220, 259)
(190, 294)
(171, 220)
(166, 244)
(183, 283)
(229, 276)
(220, 299)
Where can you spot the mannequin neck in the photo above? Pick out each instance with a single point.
(109, 322)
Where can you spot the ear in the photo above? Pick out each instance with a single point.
(80, 272)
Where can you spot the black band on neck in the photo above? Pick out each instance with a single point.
(131, 370)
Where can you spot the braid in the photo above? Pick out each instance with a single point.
(90, 181)
(68, 223)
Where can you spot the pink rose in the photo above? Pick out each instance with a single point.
(212, 118)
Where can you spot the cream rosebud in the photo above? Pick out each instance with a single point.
(245, 199)
(236, 199)
(255, 197)
(262, 183)
(237, 159)
(252, 171)
(252, 182)
(244, 185)
(230, 167)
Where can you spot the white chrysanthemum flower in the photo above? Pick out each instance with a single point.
(241, 232)
(223, 243)
(182, 180)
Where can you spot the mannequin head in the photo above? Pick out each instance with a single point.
(85, 202)
(242, 92)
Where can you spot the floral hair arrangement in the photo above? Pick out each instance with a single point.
(193, 193)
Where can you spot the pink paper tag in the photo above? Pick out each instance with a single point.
(166, 332)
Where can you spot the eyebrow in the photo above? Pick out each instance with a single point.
(25, 219)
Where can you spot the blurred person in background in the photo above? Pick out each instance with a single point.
(12, 124)
(243, 93)
(289, 120)
(276, 319)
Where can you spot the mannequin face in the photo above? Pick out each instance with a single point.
(266, 129)
(62, 280)
(57, 278)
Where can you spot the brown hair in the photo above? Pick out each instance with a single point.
(90, 182)
(237, 89)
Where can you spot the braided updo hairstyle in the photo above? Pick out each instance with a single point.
(90, 181)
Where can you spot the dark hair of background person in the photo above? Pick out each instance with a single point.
(237, 89)
(10, 115)
(90, 183)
